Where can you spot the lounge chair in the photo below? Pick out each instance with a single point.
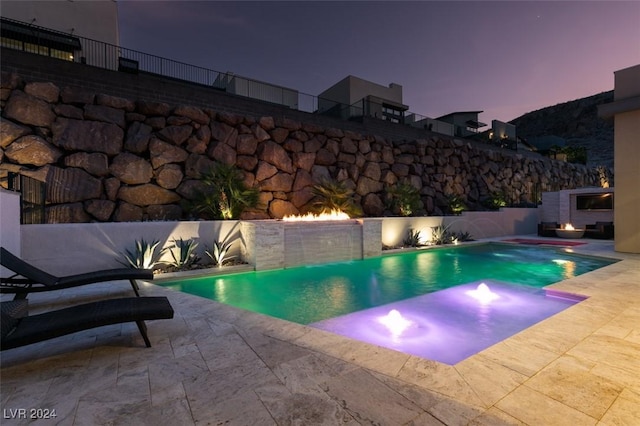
(29, 279)
(19, 329)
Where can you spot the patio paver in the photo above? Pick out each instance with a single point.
(213, 364)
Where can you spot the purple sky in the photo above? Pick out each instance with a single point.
(505, 58)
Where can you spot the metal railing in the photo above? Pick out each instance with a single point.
(47, 42)
(33, 194)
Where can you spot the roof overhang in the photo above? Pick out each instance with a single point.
(609, 110)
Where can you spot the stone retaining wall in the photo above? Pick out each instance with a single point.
(108, 158)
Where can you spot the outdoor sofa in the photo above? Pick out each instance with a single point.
(600, 230)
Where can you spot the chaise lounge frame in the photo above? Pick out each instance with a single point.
(19, 329)
(30, 279)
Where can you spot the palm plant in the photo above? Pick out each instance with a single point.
(456, 204)
(331, 195)
(144, 255)
(404, 199)
(226, 196)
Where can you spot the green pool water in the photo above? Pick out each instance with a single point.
(313, 293)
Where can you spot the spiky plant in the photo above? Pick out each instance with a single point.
(183, 253)
(440, 235)
(219, 252)
(413, 238)
(144, 255)
(332, 195)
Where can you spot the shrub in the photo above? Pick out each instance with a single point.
(404, 199)
(144, 255)
(331, 195)
(226, 196)
(456, 204)
(495, 201)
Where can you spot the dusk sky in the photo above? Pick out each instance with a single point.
(504, 58)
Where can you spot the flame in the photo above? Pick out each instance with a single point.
(310, 217)
(569, 227)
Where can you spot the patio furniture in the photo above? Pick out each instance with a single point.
(29, 279)
(600, 230)
(547, 229)
(19, 328)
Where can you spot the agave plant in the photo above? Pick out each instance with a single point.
(413, 239)
(440, 235)
(331, 195)
(183, 253)
(219, 251)
(144, 256)
(463, 236)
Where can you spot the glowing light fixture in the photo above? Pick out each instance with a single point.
(569, 227)
(483, 294)
(310, 217)
(395, 322)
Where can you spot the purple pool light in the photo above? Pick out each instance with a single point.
(453, 324)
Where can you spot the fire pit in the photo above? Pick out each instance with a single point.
(568, 231)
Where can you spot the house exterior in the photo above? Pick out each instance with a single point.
(238, 85)
(60, 29)
(625, 111)
(97, 20)
(355, 97)
(465, 122)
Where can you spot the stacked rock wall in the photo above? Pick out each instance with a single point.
(107, 158)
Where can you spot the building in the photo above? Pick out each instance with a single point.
(63, 29)
(465, 123)
(232, 83)
(356, 97)
(97, 20)
(625, 111)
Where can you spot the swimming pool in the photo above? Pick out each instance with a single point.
(311, 294)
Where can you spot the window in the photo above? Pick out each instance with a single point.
(391, 114)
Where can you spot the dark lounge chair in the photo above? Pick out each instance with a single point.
(29, 279)
(19, 329)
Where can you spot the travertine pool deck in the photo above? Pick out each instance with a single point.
(214, 364)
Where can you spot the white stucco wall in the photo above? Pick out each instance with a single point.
(81, 247)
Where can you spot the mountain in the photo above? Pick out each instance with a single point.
(578, 123)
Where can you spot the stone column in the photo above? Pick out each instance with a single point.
(371, 237)
(263, 243)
